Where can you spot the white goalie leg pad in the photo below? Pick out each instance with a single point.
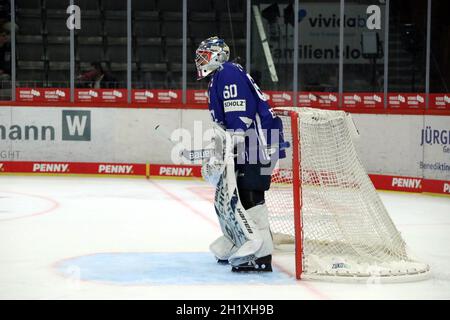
(246, 235)
(223, 248)
(260, 215)
(256, 248)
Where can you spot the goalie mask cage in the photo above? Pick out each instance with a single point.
(324, 206)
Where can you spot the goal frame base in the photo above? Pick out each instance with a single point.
(371, 280)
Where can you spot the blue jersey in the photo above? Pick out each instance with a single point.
(237, 103)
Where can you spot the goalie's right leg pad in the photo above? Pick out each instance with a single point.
(260, 215)
(248, 252)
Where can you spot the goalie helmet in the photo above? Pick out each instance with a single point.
(210, 55)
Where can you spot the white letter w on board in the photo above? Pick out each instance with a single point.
(76, 126)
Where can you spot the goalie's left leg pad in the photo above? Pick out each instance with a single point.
(236, 224)
(234, 220)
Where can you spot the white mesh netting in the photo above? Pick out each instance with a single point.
(347, 232)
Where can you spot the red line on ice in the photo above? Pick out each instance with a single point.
(54, 203)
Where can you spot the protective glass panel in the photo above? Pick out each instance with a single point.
(440, 48)
(363, 46)
(272, 60)
(101, 45)
(5, 50)
(319, 49)
(407, 46)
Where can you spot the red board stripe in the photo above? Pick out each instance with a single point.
(381, 182)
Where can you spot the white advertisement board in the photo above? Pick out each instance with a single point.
(390, 144)
(86, 134)
(435, 140)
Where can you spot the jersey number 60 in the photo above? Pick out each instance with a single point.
(230, 91)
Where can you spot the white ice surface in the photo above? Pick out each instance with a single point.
(46, 220)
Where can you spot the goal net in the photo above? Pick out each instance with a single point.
(322, 200)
